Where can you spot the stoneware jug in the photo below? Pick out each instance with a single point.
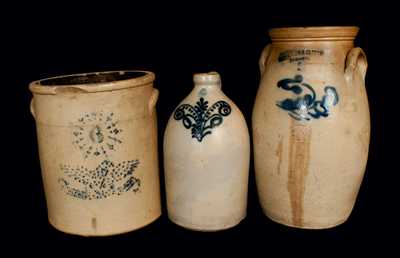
(311, 126)
(97, 137)
(206, 159)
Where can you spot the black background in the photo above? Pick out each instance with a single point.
(174, 42)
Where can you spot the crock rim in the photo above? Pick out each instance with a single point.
(147, 78)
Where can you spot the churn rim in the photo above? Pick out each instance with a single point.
(314, 33)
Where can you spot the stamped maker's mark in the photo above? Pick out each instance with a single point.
(296, 55)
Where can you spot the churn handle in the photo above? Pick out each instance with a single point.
(356, 60)
(32, 108)
(263, 58)
(153, 101)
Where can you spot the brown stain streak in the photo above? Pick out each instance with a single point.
(278, 153)
(94, 224)
(299, 156)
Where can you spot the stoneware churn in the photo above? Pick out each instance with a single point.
(206, 159)
(97, 136)
(311, 126)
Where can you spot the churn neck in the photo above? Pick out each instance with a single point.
(210, 80)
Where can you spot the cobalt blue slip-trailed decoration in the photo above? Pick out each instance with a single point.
(107, 179)
(200, 118)
(306, 106)
(96, 134)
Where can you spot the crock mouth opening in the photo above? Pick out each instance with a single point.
(93, 81)
(91, 78)
(329, 33)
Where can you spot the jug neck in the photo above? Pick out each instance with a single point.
(209, 81)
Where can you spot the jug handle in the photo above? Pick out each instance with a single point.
(152, 101)
(263, 58)
(356, 60)
(32, 108)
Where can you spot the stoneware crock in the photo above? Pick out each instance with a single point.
(97, 137)
(206, 159)
(311, 126)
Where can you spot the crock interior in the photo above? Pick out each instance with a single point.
(91, 78)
